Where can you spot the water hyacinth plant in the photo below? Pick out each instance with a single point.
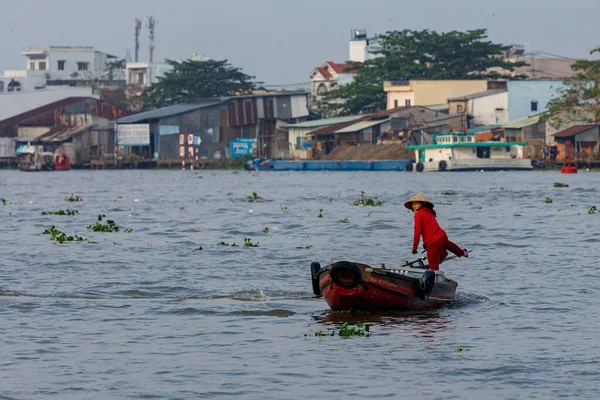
(347, 331)
(61, 212)
(74, 198)
(61, 237)
(254, 198)
(366, 201)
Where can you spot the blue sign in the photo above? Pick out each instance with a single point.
(243, 147)
(197, 140)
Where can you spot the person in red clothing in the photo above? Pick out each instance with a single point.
(435, 240)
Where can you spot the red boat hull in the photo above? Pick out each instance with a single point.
(381, 289)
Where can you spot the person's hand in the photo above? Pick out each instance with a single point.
(414, 251)
(424, 246)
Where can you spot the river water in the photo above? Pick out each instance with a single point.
(165, 312)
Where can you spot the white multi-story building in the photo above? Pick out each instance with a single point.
(139, 75)
(361, 47)
(56, 66)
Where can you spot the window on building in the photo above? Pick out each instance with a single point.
(32, 66)
(459, 108)
(534, 105)
(407, 102)
(141, 78)
(82, 66)
(299, 143)
(322, 89)
(42, 66)
(395, 103)
(61, 65)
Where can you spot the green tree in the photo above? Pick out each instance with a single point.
(407, 54)
(579, 99)
(194, 79)
(115, 66)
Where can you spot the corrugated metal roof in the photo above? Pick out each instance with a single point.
(186, 107)
(438, 107)
(484, 128)
(443, 117)
(521, 123)
(477, 95)
(323, 122)
(574, 130)
(165, 112)
(361, 125)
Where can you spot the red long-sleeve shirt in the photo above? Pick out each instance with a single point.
(427, 226)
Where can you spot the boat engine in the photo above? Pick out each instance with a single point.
(426, 283)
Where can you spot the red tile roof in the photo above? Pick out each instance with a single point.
(324, 72)
(572, 131)
(342, 68)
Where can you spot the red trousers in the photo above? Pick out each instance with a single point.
(437, 251)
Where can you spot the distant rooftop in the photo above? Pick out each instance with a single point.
(477, 95)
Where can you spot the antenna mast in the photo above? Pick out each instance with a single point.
(137, 26)
(151, 25)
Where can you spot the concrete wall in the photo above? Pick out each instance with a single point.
(522, 93)
(489, 110)
(431, 92)
(437, 92)
(96, 61)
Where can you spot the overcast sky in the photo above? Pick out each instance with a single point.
(280, 41)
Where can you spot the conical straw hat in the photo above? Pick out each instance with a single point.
(420, 198)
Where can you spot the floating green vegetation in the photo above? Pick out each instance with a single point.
(254, 198)
(448, 193)
(347, 331)
(331, 199)
(61, 212)
(109, 226)
(593, 210)
(229, 194)
(441, 203)
(320, 213)
(266, 230)
(366, 201)
(559, 185)
(3, 201)
(283, 208)
(248, 243)
(516, 215)
(548, 200)
(74, 198)
(462, 350)
(343, 221)
(61, 237)
(198, 248)
(227, 244)
(469, 203)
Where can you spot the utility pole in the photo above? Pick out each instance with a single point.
(151, 25)
(137, 26)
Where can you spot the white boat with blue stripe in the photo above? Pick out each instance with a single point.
(457, 151)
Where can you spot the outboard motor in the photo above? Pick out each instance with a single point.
(426, 283)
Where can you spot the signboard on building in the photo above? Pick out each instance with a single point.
(243, 147)
(133, 135)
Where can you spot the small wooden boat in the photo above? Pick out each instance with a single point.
(348, 285)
